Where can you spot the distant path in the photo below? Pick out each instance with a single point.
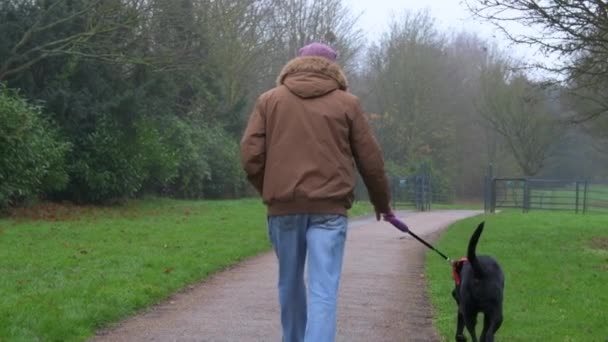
(382, 296)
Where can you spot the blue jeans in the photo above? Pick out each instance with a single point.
(322, 237)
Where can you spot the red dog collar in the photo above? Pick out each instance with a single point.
(455, 266)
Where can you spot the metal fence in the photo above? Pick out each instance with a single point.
(413, 191)
(547, 194)
(407, 192)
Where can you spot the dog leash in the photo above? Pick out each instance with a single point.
(392, 219)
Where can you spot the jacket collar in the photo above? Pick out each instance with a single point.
(315, 65)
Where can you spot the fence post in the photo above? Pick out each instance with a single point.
(493, 196)
(430, 189)
(526, 204)
(577, 190)
(425, 194)
(488, 188)
(425, 187)
(585, 197)
(417, 191)
(486, 195)
(396, 189)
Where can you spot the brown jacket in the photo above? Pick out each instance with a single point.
(303, 140)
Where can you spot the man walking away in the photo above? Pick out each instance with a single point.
(299, 150)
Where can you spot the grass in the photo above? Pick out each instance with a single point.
(444, 206)
(64, 278)
(458, 206)
(361, 209)
(68, 271)
(364, 208)
(556, 268)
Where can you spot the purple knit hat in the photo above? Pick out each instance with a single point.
(318, 49)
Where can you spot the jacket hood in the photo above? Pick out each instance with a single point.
(309, 77)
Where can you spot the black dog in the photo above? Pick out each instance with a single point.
(479, 288)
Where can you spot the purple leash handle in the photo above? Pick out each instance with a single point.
(397, 223)
(392, 219)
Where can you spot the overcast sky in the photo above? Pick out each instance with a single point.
(449, 15)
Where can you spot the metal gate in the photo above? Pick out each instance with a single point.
(547, 194)
(410, 192)
(413, 191)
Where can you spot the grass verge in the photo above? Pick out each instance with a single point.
(68, 271)
(458, 206)
(360, 209)
(556, 268)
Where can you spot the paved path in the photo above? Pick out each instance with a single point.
(382, 296)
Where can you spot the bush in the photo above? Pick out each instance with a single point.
(226, 177)
(160, 159)
(209, 163)
(173, 156)
(107, 166)
(115, 159)
(32, 156)
(187, 140)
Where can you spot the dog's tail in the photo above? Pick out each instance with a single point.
(477, 270)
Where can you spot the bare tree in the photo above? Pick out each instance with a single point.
(574, 31)
(516, 109)
(591, 102)
(299, 22)
(51, 32)
(242, 38)
(251, 40)
(475, 144)
(405, 77)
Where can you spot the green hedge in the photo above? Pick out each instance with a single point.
(32, 154)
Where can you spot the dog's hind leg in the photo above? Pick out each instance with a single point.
(460, 328)
(491, 323)
(470, 320)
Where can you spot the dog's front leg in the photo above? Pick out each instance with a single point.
(460, 328)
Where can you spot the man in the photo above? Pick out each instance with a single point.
(299, 151)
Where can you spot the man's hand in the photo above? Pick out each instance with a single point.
(396, 222)
(388, 216)
(380, 214)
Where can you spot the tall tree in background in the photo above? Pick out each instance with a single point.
(517, 109)
(152, 95)
(37, 30)
(236, 31)
(251, 40)
(422, 85)
(296, 23)
(574, 31)
(405, 75)
(467, 56)
(135, 100)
